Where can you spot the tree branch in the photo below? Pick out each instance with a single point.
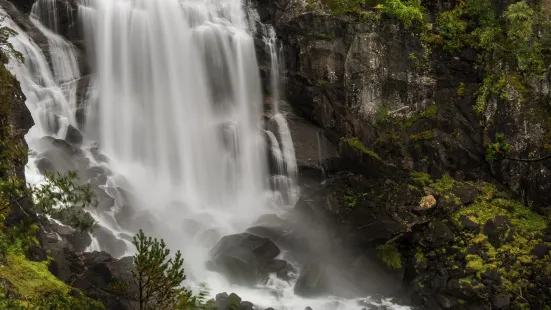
(524, 159)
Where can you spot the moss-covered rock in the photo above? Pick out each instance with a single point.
(356, 145)
(390, 255)
(31, 279)
(498, 258)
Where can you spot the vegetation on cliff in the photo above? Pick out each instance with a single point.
(514, 45)
(513, 40)
(26, 283)
(497, 245)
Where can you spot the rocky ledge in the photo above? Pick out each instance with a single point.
(452, 244)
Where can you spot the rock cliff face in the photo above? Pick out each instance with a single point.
(353, 75)
(403, 123)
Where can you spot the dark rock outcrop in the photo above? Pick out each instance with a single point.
(351, 76)
(246, 259)
(93, 273)
(108, 241)
(73, 136)
(499, 230)
(23, 5)
(392, 117)
(77, 241)
(223, 301)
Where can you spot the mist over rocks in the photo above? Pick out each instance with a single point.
(247, 259)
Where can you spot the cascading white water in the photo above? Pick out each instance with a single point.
(284, 180)
(175, 105)
(47, 100)
(179, 97)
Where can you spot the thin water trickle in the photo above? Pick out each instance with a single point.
(320, 150)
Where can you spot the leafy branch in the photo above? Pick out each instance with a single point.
(498, 150)
(63, 196)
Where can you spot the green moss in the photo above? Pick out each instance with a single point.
(511, 257)
(487, 206)
(390, 255)
(383, 114)
(420, 178)
(461, 89)
(429, 113)
(425, 135)
(444, 185)
(475, 262)
(31, 279)
(387, 137)
(420, 257)
(357, 145)
(310, 5)
(352, 200)
(406, 12)
(322, 83)
(480, 238)
(326, 36)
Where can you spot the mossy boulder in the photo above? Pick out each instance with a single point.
(477, 245)
(483, 247)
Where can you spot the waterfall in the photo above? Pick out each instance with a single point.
(47, 98)
(285, 178)
(173, 124)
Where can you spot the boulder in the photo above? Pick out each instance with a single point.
(281, 268)
(104, 201)
(540, 250)
(499, 230)
(426, 203)
(78, 240)
(129, 218)
(246, 305)
(108, 241)
(243, 258)
(224, 301)
(208, 237)
(97, 271)
(438, 234)
(269, 226)
(501, 301)
(73, 215)
(469, 224)
(313, 281)
(55, 160)
(92, 273)
(73, 136)
(97, 171)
